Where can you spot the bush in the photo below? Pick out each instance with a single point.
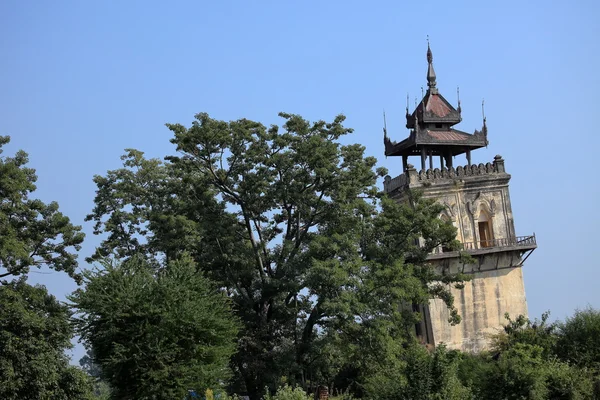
(416, 374)
(288, 393)
(579, 339)
(523, 372)
(156, 333)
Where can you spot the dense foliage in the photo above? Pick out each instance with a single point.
(155, 333)
(101, 389)
(579, 339)
(32, 233)
(416, 374)
(291, 224)
(34, 334)
(528, 361)
(288, 393)
(35, 329)
(259, 261)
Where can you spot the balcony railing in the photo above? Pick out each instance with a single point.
(526, 242)
(502, 242)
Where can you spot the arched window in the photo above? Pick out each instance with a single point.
(484, 224)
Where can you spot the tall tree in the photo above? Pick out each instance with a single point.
(34, 333)
(579, 339)
(292, 224)
(32, 233)
(152, 208)
(155, 333)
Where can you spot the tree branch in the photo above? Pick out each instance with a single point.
(259, 260)
(263, 246)
(18, 269)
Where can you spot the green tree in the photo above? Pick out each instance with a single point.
(34, 334)
(291, 223)
(152, 208)
(417, 374)
(522, 330)
(288, 393)
(526, 364)
(101, 389)
(88, 365)
(155, 333)
(524, 372)
(32, 233)
(579, 339)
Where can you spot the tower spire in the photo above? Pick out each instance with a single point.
(431, 78)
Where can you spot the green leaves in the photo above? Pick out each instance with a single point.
(32, 233)
(530, 362)
(288, 393)
(415, 373)
(291, 224)
(34, 333)
(579, 339)
(155, 333)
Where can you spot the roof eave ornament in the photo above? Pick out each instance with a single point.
(459, 109)
(484, 128)
(385, 136)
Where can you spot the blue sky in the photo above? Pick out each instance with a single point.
(80, 81)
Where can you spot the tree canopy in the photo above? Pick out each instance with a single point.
(155, 333)
(291, 224)
(263, 261)
(35, 331)
(32, 233)
(579, 338)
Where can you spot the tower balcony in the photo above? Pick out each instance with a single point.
(519, 243)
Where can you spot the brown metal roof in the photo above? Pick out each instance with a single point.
(433, 108)
(448, 135)
(437, 106)
(455, 141)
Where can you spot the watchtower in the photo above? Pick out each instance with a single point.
(477, 203)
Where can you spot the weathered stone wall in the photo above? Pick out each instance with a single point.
(472, 194)
(468, 193)
(496, 288)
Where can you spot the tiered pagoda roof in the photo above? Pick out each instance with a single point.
(431, 125)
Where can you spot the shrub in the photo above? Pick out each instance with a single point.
(288, 393)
